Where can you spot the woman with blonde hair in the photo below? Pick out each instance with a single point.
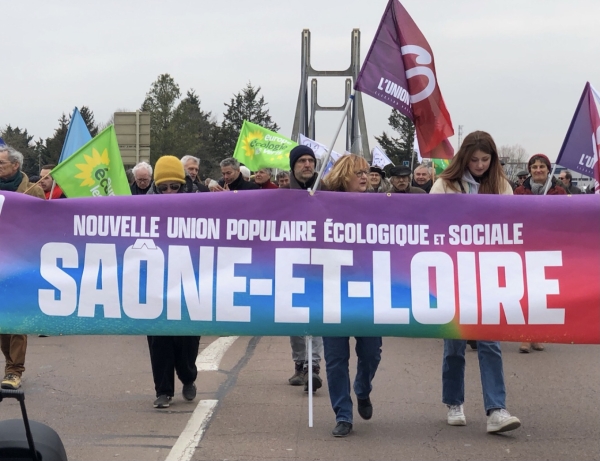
(475, 169)
(350, 174)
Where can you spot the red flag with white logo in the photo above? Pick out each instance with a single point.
(400, 71)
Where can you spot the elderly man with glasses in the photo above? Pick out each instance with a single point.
(142, 174)
(400, 180)
(12, 179)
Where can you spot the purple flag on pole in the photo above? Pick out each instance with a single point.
(383, 75)
(578, 150)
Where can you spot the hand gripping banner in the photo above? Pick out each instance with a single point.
(283, 262)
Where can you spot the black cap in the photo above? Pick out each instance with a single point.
(376, 169)
(522, 173)
(298, 152)
(400, 171)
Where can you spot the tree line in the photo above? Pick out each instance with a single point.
(179, 126)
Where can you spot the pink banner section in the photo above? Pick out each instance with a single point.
(283, 262)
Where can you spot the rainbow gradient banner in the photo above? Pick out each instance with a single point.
(282, 262)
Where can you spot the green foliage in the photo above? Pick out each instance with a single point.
(246, 105)
(399, 149)
(21, 141)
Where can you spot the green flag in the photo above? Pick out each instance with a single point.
(259, 148)
(95, 170)
(440, 164)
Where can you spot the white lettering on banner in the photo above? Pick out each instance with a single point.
(495, 294)
(115, 226)
(400, 234)
(286, 285)
(536, 263)
(228, 284)
(498, 279)
(181, 276)
(193, 228)
(65, 303)
(423, 57)
(486, 234)
(419, 284)
(100, 261)
(154, 263)
(383, 312)
(267, 230)
(332, 262)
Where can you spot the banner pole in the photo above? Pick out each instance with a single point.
(308, 348)
(328, 153)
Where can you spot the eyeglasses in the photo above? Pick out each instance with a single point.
(164, 187)
(4, 162)
(361, 173)
(142, 179)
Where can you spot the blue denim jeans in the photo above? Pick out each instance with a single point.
(337, 355)
(490, 368)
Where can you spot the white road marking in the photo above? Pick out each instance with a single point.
(210, 358)
(186, 444)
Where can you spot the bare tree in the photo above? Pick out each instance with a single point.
(515, 159)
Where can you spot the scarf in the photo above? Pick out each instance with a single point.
(11, 184)
(537, 189)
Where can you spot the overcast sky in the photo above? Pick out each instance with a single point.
(513, 68)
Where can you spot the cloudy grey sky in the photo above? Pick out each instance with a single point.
(515, 68)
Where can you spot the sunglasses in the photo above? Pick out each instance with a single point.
(164, 187)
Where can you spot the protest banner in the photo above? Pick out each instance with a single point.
(446, 266)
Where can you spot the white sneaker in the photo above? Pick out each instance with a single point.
(501, 421)
(456, 415)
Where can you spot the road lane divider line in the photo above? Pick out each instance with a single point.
(210, 358)
(186, 444)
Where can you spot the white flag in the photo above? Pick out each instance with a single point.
(319, 149)
(379, 158)
(416, 148)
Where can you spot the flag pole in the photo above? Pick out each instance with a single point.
(325, 160)
(549, 179)
(308, 349)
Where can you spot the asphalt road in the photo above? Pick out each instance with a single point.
(97, 393)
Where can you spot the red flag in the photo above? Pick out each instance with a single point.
(399, 69)
(595, 119)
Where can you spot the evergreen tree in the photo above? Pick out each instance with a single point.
(399, 149)
(160, 102)
(50, 150)
(21, 141)
(88, 118)
(246, 105)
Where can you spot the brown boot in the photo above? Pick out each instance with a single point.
(537, 346)
(524, 348)
(317, 382)
(299, 375)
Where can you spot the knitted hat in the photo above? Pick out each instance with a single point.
(540, 157)
(376, 169)
(400, 171)
(168, 168)
(298, 152)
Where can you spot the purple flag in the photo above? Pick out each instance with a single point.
(578, 151)
(383, 75)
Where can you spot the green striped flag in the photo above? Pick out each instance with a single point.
(259, 148)
(95, 170)
(440, 164)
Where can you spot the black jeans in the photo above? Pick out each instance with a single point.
(169, 354)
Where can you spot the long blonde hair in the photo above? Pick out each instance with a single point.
(343, 170)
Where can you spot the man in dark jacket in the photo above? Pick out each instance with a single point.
(191, 165)
(400, 180)
(232, 178)
(142, 175)
(567, 179)
(422, 178)
(303, 176)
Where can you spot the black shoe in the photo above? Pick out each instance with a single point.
(365, 408)
(473, 344)
(342, 429)
(317, 382)
(163, 401)
(189, 391)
